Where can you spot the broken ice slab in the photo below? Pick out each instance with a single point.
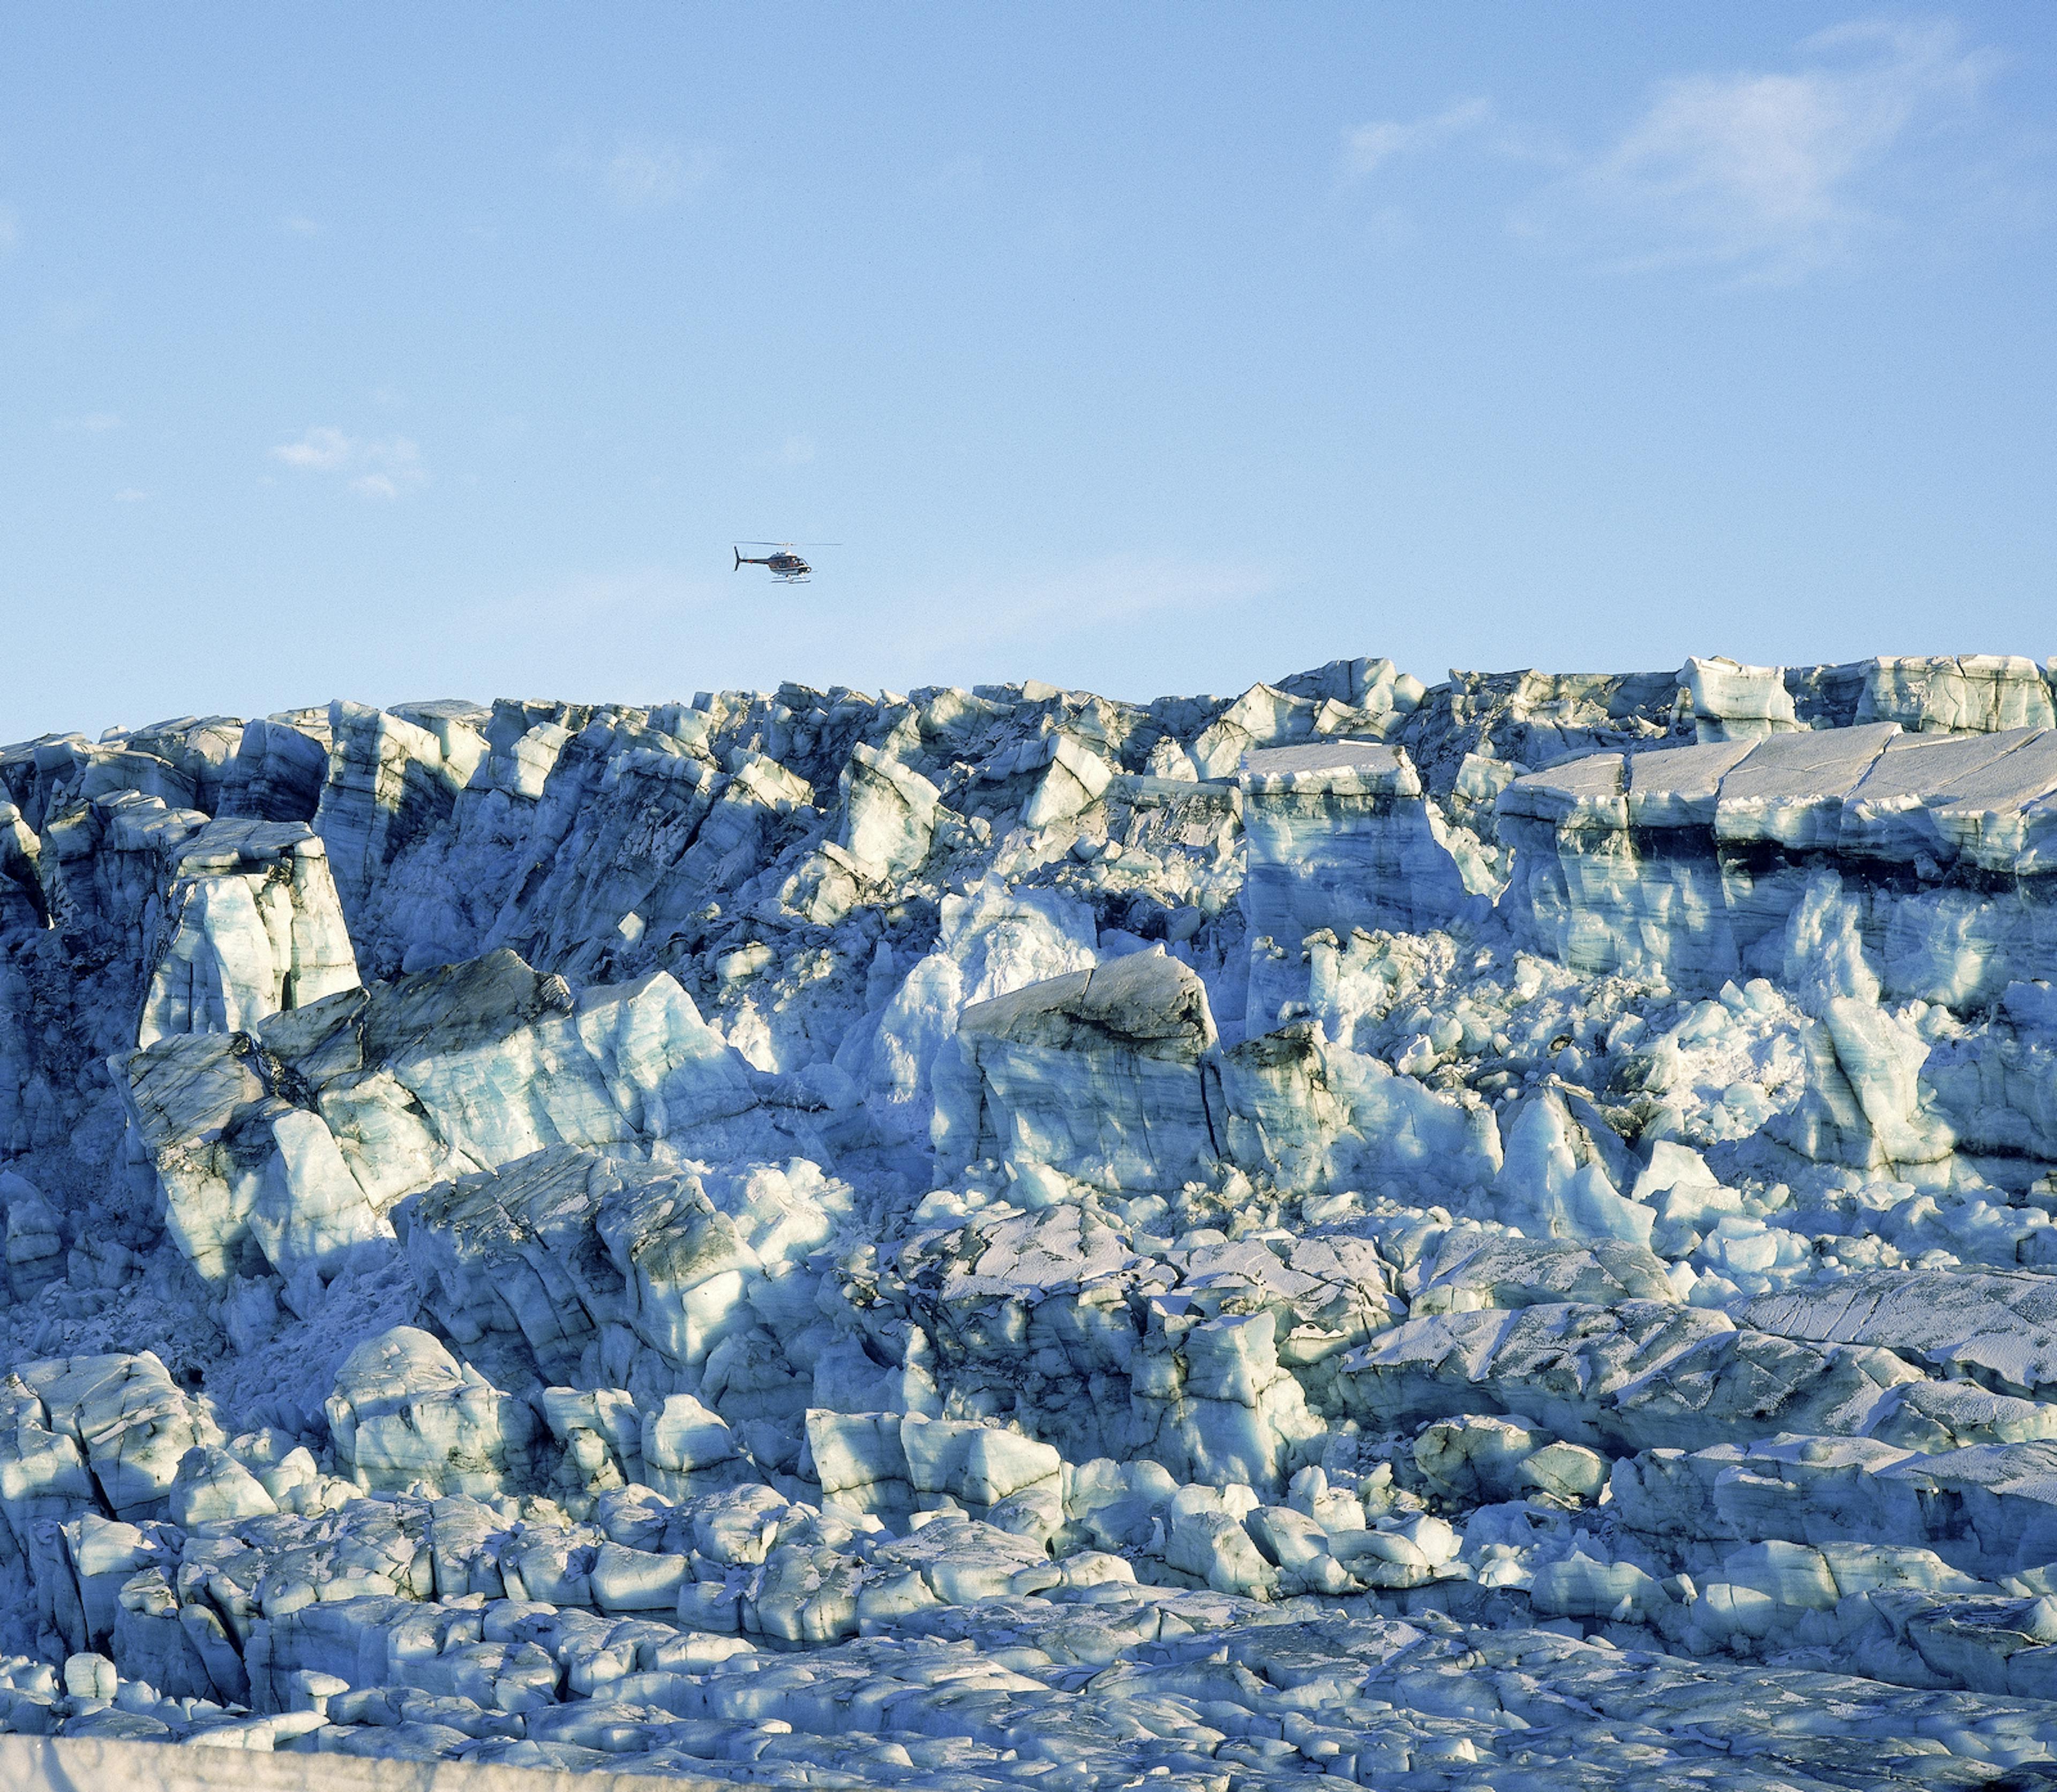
(894, 1463)
(1678, 787)
(124, 1415)
(1995, 1329)
(1097, 1073)
(1577, 793)
(252, 926)
(278, 771)
(1312, 1115)
(1353, 768)
(1790, 788)
(1989, 1510)
(287, 1148)
(888, 814)
(1110, 1078)
(1339, 836)
(405, 1411)
(374, 756)
(1731, 702)
(1638, 1375)
(563, 1261)
(1718, 845)
(1891, 812)
(1474, 1270)
(2002, 818)
(1983, 692)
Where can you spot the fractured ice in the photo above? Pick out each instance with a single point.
(1492, 1234)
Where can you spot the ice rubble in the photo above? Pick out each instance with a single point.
(1497, 1233)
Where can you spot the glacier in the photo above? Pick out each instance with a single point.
(1497, 1233)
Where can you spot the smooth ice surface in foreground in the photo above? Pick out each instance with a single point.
(37, 1764)
(1497, 1233)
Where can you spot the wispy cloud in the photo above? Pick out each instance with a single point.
(597, 604)
(745, 628)
(1368, 148)
(92, 423)
(1771, 175)
(405, 477)
(133, 494)
(1766, 175)
(375, 468)
(635, 588)
(295, 225)
(641, 172)
(644, 171)
(1098, 594)
(794, 451)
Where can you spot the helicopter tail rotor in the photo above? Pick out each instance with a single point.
(739, 559)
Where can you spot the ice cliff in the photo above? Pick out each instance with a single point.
(1491, 1234)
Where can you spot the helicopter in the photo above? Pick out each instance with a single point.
(786, 566)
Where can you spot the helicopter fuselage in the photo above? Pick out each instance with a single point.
(788, 567)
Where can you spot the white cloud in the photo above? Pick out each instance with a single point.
(92, 423)
(294, 224)
(391, 467)
(1771, 175)
(643, 173)
(318, 451)
(1368, 148)
(133, 494)
(380, 469)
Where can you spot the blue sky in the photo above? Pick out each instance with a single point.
(396, 352)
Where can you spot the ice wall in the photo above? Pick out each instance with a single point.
(1497, 1233)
